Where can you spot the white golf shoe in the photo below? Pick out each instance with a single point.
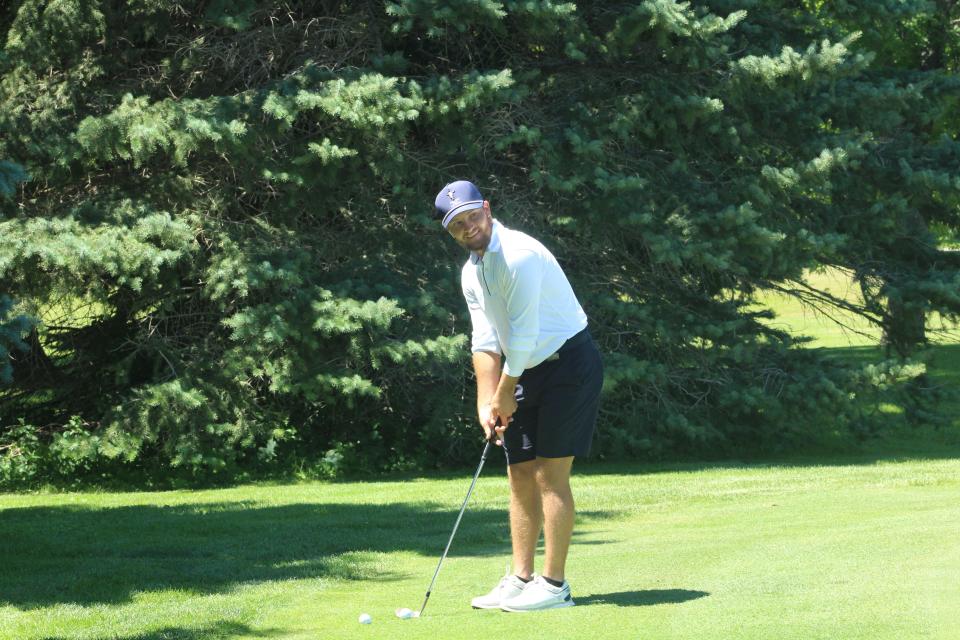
(510, 586)
(538, 595)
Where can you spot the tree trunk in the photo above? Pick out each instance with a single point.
(904, 329)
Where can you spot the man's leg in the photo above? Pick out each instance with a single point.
(526, 515)
(553, 482)
(553, 487)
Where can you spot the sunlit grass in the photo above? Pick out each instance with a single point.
(861, 545)
(724, 551)
(841, 328)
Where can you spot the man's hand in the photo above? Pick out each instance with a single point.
(487, 421)
(502, 406)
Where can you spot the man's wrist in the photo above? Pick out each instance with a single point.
(507, 385)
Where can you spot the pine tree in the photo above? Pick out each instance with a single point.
(227, 245)
(907, 181)
(11, 329)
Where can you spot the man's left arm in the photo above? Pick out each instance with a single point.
(523, 309)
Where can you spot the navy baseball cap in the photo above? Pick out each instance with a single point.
(456, 197)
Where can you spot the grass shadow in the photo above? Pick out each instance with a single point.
(83, 555)
(644, 598)
(218, 631)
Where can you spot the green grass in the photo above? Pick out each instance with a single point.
(866, 550)
(858, 543)
(850, 337)
(841, 328)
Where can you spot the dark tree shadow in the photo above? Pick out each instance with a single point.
(71, 554)
(643, 598)
(217, 631)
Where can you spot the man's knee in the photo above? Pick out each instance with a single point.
(523, 474)
(553, 474)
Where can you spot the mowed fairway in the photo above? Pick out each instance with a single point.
(867, 550)
(841, 328)
(863, 546)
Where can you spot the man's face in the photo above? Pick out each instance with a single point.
(472, 229)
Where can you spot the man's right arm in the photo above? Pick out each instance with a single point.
(486, 354)
(486, 366)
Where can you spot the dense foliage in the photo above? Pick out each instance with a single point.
(902, 187)
(226, 242)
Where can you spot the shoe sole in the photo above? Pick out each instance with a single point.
(485, 606)
(559, 605)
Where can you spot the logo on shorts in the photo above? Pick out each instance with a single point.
(518, 393)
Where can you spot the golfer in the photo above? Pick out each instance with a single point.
(538, 372)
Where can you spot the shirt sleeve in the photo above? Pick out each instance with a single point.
(484, 337)
(523, 308)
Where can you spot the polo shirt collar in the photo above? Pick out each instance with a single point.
(494, 244)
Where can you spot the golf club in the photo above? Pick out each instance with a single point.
(476, 475)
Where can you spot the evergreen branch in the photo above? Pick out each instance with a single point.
(822, 301)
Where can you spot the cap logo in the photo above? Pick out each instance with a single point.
(453, 197)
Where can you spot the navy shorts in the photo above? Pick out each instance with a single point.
(557, 404)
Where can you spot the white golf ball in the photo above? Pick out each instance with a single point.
(365, 618)
(404, 613)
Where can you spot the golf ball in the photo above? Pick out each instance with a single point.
(365, 618)
(404, 613)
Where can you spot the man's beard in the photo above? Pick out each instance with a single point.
(478, 242)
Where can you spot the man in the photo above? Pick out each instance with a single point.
(546, 397)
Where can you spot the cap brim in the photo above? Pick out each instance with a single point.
(460, 208)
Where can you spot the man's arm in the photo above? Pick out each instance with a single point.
(522, 294)
(486, 366)
(523, 307)
(504, 402)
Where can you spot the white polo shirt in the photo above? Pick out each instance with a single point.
(521, 304)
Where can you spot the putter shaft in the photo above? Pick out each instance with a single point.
(476, 475)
